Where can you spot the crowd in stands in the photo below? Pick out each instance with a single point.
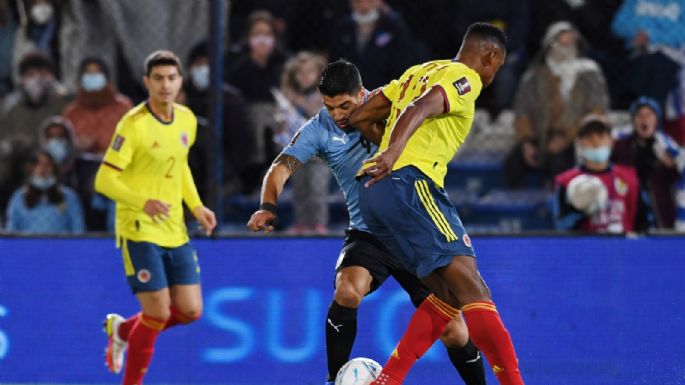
(70, 69)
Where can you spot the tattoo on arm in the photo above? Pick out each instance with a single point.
(289, 161)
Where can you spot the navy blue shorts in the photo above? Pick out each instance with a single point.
(150, 267)
(415, 219)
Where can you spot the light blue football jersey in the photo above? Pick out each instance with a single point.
(343, 151)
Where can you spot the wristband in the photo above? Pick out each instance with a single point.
(270, 207)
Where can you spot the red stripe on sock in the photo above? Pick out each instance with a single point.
(490, 336)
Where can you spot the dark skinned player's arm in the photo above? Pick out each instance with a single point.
(427, 106)
(281, 169)
(368, 118)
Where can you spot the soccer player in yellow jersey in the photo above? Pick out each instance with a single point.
(429, 112)
(146, 172)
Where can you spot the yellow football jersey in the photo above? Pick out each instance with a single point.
(436, 141)
(152, 158)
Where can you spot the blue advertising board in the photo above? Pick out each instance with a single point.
(580, 311)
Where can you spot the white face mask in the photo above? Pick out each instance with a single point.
(35, 87)
(265, 42)
(43, 182)
(367, 18)
(42, 13)
(92, 82)
(58, 149)
(200, 76)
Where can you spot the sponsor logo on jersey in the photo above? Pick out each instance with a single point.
(462, 85)
(621, 187)
(118, 142)
(144, 276)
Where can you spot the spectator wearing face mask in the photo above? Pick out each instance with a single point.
(40, 32)
(57, 138)
(255, 71)
(39, 96)
(376, 40)
(43, 205)
(237, 135)
(301, 101)
(655, 156)
(597, 196)
(97, 108)
(559, 88)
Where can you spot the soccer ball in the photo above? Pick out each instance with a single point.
(358, 371)
(587, 193)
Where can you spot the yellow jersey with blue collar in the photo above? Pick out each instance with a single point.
(435, 142)
(152, 158)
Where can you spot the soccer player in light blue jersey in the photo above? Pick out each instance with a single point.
(364, 262)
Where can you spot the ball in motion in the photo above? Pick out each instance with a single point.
(587, 193)
(358, 371)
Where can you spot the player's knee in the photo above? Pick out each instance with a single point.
(347, 295)
(192, 315)
(455, 334)
(157, 312)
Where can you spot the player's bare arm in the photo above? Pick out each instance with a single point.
(430, 104)
(369, 118)
(281, 169)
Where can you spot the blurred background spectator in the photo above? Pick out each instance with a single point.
(597, 196)
(376, 40)
(559, 88)
(238, 140)
(651, 152)
(38, 97)
(8, 26)
(255, 67)
(44, 205)
(299, 87)
(57, 138)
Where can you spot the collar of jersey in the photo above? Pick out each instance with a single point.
(147, 105)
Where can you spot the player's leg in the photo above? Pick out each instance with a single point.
(462, 352)
(482, 319)
(358, 272)
(184, 283)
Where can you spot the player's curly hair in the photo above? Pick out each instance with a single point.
(340, 77)
(489, 32)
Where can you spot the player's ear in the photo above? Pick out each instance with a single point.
(360, 95)
(146, 81)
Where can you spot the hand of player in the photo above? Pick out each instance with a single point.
(157, 210)
(261, 220)
(206, 218)
(381, 166)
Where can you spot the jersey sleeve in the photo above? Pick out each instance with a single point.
(121, 149)
(306, 142)
(391, 90)
(460, 91)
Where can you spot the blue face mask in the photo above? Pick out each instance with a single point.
(43, 182)
(200, 77)
(93, 82)
(58, 149)
(596, 154)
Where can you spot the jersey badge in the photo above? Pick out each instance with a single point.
(118, 142)
(621, 187)
(144, 276)
(184, 139)
(462, 85)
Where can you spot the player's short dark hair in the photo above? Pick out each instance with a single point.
(340, 77)
(36, 60)
(594, 125)
(488, 32)
(161, 58)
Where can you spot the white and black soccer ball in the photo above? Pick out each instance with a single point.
(587, 193)
(358, 371)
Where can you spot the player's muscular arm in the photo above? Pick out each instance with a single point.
(369, 117)
(429, 105)
(281, 169)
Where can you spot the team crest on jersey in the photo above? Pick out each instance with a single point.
(463, 86)
(118, 142)
(184, 139)
(144, 276)
(467, 240)
(621, 187)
